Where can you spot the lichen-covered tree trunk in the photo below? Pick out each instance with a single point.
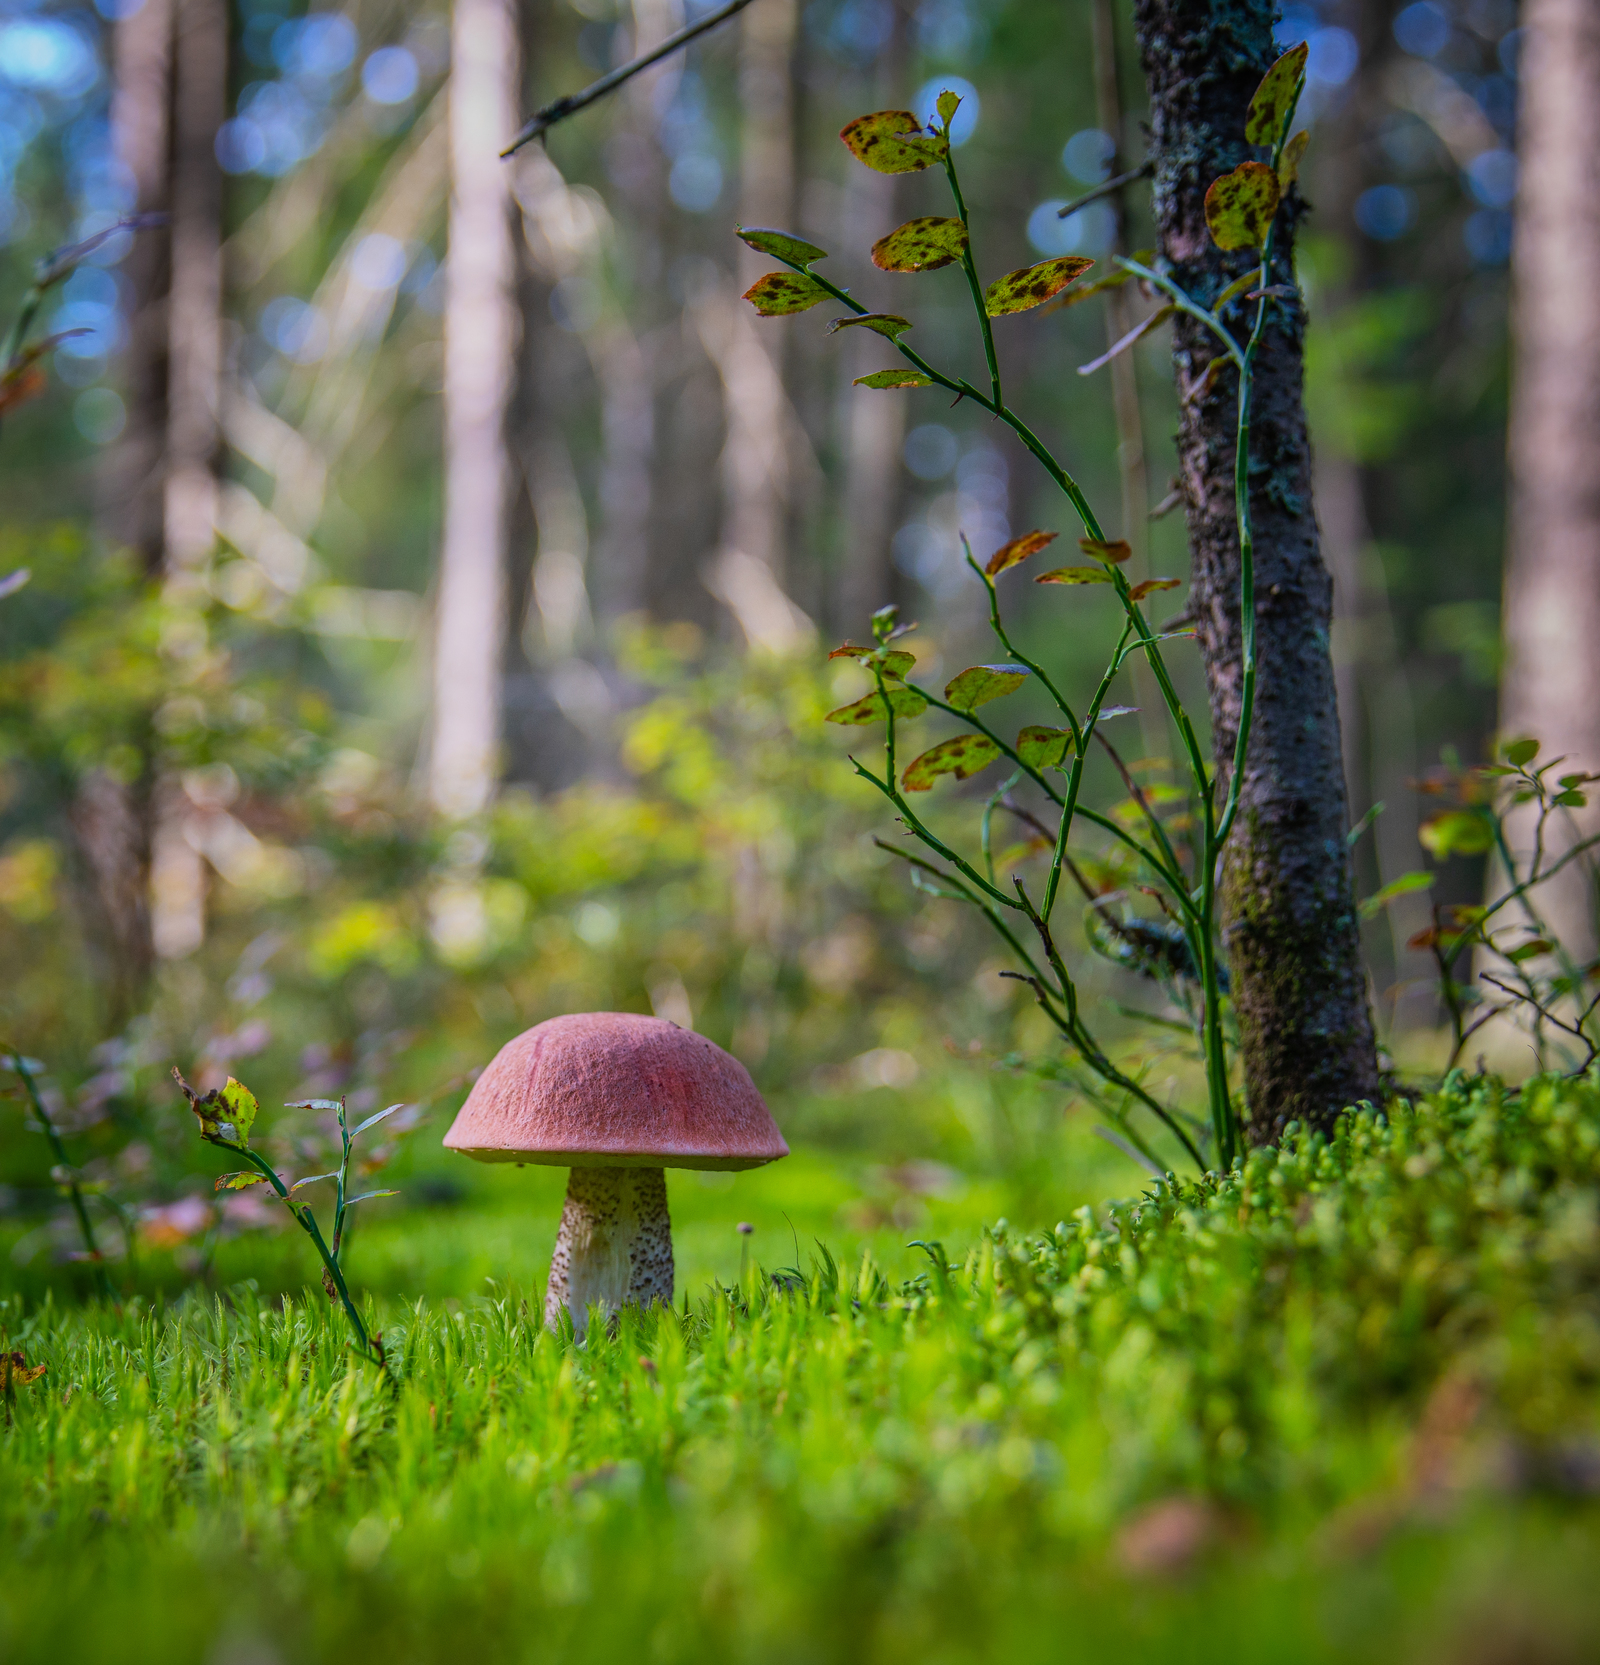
(1289, 921)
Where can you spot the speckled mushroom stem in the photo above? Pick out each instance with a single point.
(614, 1247)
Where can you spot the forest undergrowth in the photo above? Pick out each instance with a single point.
(1339, 1402)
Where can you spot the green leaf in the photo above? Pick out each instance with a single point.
(979, 684)
(1075, 575)
(893, 378)
(895, 661)
(949, 103)
(890, 324)
(240, 1104)
(1044, 748)
(920, 245)
(893, 141)
(1571, 800)
(1530, 950)
(780, 293)
(1520, 752)
(1289, 162)
(1240, 206)
(781, 245)
(1018, 550)
(1276, 97)
(367, 1196)
(237, 1182)
(962, 756)
(1403, 886)
(1031, 286)
(1113, 551)
(311, 1179)
(903, 701)
(1457, 832)
(1148, 586)
(373, 1120)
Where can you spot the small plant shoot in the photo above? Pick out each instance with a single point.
(1164, 841)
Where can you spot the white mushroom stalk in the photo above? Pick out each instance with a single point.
(614, 1248)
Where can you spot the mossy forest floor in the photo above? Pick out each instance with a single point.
(1340, 1406)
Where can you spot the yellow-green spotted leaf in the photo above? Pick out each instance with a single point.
(779, 293)
(979, 684)
(1114, 551)
(1289, 162)
(893, 141)
(1018, 550)
(965, 755)
(1044, 748)
(237, 1182)
(903, 701)
(1075, 575)
(921, 245)
(949, 103)
(1240, 206)
(890, 324)
(1031, 286)
(1275, 97)
(893, 378)
(239, 1107)
(781, 245)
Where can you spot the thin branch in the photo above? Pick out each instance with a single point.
(546, 118)
(1144, 170)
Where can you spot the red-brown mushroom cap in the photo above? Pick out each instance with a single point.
(613, 1089)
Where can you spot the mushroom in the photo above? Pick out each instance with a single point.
(616, 1098)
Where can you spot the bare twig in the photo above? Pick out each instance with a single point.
(569, 105)
(1111, 186)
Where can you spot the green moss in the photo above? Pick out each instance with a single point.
(1356, 1379)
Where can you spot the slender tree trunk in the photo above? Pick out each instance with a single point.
(1289, 921)
(1132, 473)
(194, 324)
(131, 487)
(1551, 687)
(480, 347)
(873, 429)
(748, 573)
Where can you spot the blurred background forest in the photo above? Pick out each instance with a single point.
(433, 564)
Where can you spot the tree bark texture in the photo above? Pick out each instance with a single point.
(1551, 684)
(1288, 916)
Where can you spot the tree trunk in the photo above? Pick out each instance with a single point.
(1289, 920)
(1551, 686)
(479, 360)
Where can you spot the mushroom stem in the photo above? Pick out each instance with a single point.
(614, 1247)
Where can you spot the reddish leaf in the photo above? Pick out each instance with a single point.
(1018, 550)
(1148, 586)
(1113, 551)
(1075, 575)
